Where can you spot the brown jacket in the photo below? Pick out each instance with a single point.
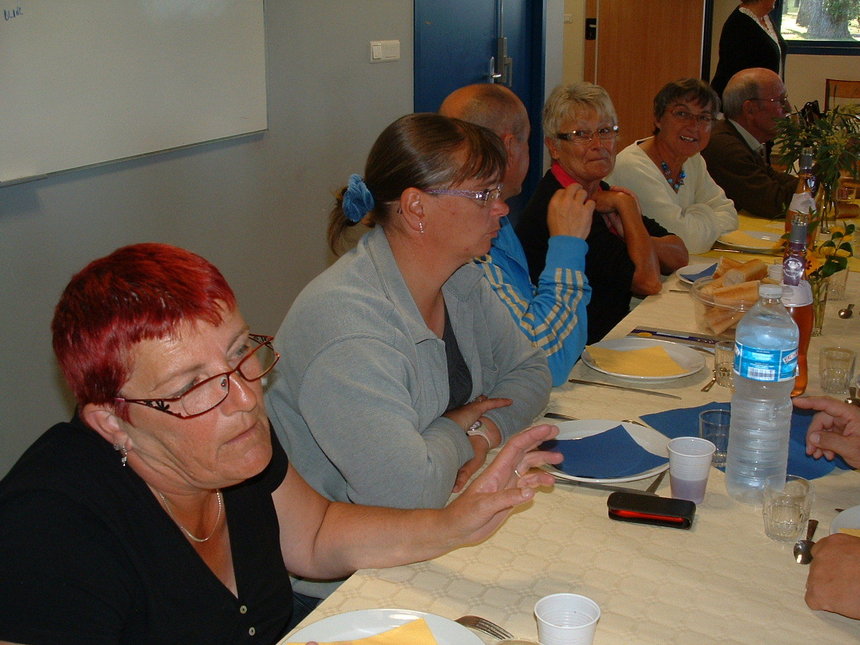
(748, 180)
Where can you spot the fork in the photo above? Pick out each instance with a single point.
(484, 625)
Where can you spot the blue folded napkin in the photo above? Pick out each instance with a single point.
(685, 422)
(605, 455)
(692, 277)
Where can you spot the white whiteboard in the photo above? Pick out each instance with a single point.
(84, 82)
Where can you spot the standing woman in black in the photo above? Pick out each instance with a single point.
(749, 39)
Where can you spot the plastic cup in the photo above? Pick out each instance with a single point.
(689, 466)
(724, 360)
(714, 426)
(785, 507)
(835, 369)
(566, 619)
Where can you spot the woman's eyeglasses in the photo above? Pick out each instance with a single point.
(703, 119)
(584, 137)
(209, 394)
(483, 196)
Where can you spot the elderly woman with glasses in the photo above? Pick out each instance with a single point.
(667, 171)
(626, 252)
(165, 512)
(405, 368)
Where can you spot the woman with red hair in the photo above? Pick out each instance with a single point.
(164, 512)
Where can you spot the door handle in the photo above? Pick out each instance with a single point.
(493, 75)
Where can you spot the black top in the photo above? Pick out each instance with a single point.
(744, 44)
(608, 267)
(459, 377)
(89, 556)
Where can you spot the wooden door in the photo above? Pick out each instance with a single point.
(641, 46)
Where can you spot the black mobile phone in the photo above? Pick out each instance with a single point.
(650, 509)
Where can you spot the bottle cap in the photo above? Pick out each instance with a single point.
(774, 272)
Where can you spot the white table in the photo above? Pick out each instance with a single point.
(723, 581)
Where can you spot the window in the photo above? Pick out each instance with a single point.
(819, 26)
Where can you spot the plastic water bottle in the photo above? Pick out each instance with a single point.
(765, 362)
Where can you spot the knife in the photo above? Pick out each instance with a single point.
(685, 338)
(558, 415)
(622, 387)
(598, 486)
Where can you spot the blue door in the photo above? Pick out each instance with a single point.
(459, 42)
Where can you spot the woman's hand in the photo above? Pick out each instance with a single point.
(834, 430)
(480, 447)
(465, 416)
(621, 210)
(569, 212)
(506, 482)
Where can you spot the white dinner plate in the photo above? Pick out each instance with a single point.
(648, 438)
(369, 622)
(689, 359)
(847, 519)
(694, 270)
(761, 241)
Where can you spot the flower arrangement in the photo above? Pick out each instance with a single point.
(834, 138)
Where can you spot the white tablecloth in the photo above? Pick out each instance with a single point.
(723, 581)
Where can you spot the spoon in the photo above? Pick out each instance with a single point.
(803, 548)
(846, 312)
(707, 386)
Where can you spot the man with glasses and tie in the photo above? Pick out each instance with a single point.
(737, 153)
(552, 314)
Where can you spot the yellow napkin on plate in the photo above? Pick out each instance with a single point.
(742, 239)
(415, 632)
(648, 361)
(854, 532)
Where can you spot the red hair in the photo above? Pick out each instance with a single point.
(138, 292)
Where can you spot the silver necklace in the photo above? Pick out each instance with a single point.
(188, 533)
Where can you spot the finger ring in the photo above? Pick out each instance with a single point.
(517, 473)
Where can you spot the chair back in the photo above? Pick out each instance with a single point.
(840, 92)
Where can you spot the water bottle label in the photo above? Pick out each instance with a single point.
(771, 365)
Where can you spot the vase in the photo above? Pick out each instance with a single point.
(819, 302)
(826, 203)
(836, 285)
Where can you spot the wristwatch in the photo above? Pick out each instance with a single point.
(479, 429)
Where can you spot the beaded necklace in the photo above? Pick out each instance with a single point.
(667, 172)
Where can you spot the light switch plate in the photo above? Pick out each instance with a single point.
(384, 51)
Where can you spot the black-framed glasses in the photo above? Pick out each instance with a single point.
(483, 196)
(209, 394)
(704, 118)
(584, 137)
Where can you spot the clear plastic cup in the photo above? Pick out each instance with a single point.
(689, 467)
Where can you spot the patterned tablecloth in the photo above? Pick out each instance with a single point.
(723, 581)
